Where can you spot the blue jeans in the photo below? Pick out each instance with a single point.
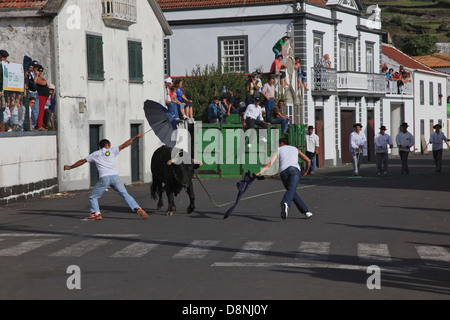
(291, 178)
(173, 108)
(284, 123)
(269, 106)
(277, 52)
(35, 109)
(115, 183)
(312, 157)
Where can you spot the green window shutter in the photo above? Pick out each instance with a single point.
(95, 57)
(135, 61)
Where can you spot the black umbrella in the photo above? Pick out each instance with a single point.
(161, 121)
(242, 187)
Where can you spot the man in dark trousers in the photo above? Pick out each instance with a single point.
(105, 160)
(290, 175)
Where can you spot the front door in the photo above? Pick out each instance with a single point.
(347, 122)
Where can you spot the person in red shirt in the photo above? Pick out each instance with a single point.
(277, 67)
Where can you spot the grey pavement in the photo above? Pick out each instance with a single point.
(399, 223)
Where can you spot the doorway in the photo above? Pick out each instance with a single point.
(347, 122)
(397, 118)
(370, 134)
(320, 158)
(94, 139)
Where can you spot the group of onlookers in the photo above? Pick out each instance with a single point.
(400, 77)
(42, 100)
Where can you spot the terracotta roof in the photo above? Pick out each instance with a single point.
(403, 59)
(436, 60)
(21, 3)
(185, 4)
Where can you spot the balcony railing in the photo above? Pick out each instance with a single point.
(399, 88)
(348, 82)
(119, 13)
(324, 79)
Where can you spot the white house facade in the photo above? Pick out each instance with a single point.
(241, 34)
(105, 58)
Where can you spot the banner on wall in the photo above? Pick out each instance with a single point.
(13, 77)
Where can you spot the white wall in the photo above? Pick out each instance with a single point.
(114, 103)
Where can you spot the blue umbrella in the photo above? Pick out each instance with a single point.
(161, 121)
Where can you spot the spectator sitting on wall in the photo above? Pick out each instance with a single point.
(215, 111)
(236, 102)
(171, 106)
(277, 117)
(225, 105)
(301, 75)
(180, 105)
(187, 103)
(276, 69)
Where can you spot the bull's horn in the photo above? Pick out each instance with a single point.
(171, 161)
(195, 161)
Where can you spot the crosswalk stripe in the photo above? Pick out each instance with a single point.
(313, 251)
(25, 247)
(135, 250)
(253, 250)
(371, 252)
(433, 253)
(81, 248)
(197, 249)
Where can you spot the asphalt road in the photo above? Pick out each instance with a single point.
(400, 224)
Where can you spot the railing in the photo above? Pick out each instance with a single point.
(119, 13)
(376, 83)
(323, 79)
(398, 88)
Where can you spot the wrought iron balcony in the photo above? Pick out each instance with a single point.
(119, 13)
(324, 81)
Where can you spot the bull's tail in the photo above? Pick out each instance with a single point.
(154, 190)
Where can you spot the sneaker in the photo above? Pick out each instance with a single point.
(142, 213)
(284, 211)
(95, 216)
(307, 215)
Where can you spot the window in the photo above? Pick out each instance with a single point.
(318, 46)
(369, 58)
(233, 54)
(166, 57)
(440, 94)
(347, 54)
(422, 92)
(431, 94)
(135, 61)
(95, 57)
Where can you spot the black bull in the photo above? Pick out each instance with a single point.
(171, 174)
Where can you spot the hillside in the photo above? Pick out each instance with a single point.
(409, 17)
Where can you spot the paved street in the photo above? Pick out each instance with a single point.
(398, 223)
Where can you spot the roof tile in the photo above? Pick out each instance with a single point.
(185, 4)
(403, 59)
(435, 60)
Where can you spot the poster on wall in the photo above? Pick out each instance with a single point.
(13, 77)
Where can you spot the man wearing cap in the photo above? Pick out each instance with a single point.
(382, 140)
(312, 148)
(358, 141)
(404, 140)
(436, 139)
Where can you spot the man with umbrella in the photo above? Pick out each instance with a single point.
(290, 175)
(108, 176)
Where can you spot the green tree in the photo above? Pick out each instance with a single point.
(419, 45)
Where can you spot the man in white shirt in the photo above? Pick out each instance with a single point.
(253, 116)
(108, 177)
(358, 141)
(404, 140)
(290, 176)
(436, 140)
(382, 141)
(312, 148)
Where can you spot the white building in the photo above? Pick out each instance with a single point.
(105, 58)
(422, 102)
(241, 34)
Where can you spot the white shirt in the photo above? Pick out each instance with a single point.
(105, 160)
(254, 112)
(382, 141)
(288, 156)
(404, 140)
(436, 139)
(357, 140)
(312, 142)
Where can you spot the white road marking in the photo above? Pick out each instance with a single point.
(313, 251)
(25, 247)
(135, 250)
(371, 252)
(433, 253)
(81, 248)
(197, 249)
(253, 250)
